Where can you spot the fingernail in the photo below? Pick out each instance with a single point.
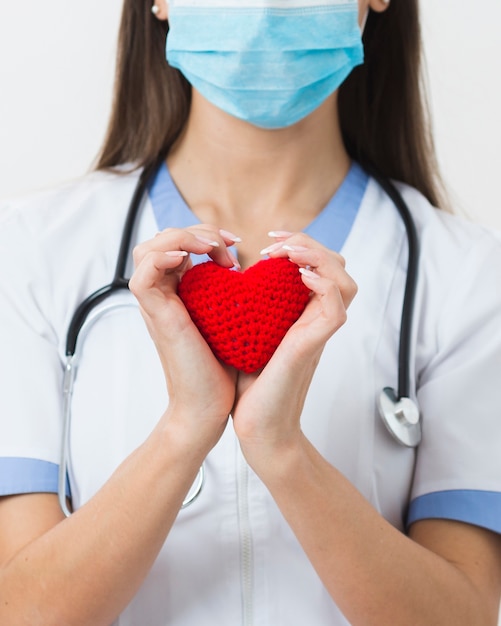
(294, 248)
(214, 244)
(234, 259)
(273, 248)
(308, 273)
(227, 235)
(176, 253)
(279, 233)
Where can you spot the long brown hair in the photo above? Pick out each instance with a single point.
(382, 106)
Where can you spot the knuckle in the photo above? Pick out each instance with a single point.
(137, 254)
(342, 317)
(301, 239)
(351, 287)
(340, 259)
(348, 290)
(133, 284)
(168, 237)
(206, 226)
(169, 230)
(300, 236)
(316, 257)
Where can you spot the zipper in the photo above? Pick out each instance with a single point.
(246, 552)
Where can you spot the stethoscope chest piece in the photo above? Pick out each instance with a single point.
(401, 417)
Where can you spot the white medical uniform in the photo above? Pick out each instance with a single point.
(231, 558)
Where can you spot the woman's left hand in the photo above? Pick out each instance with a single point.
(268, 404)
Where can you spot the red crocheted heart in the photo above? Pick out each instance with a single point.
(244, 316)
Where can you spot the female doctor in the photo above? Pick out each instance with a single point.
(311, 513)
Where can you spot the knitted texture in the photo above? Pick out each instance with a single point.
(243, 316)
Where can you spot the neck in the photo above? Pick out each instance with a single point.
(247, 179)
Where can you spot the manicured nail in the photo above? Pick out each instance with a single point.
(308, 273)
(227, 235)
(176, 253)
(214, 244)
(234, 259)
(294, 248)
(279, 233)
(273, 248)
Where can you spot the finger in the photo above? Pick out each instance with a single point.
(326, 311)
(303, 243)
(324, 314)
(229, 238)
(336, 275)
(297, 241)
(171, 239)
(218, 240)
(280, 235)
(201, 239)
(326, 263)
(158, 271)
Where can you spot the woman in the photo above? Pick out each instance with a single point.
(310, 512)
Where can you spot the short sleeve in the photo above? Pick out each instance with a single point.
(31, 368)
(458, 470)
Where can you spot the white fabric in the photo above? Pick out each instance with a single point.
(232, 553)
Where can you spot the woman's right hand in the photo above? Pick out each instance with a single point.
(71, 571)
(201, 389)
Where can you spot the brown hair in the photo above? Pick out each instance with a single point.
(151, 99)
(383, 113)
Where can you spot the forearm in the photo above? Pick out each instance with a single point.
(87, 568)
(375, 574)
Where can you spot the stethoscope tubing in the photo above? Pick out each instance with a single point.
(72, 362)
(119, 281)
(404, 352)
(408, 434)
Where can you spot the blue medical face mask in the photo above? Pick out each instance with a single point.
(268, 62)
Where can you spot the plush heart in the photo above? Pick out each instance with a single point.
(244, 316)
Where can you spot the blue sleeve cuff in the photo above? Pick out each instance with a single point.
(480, 508)
(21, 475)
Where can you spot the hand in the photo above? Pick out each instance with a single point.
(269, 404)
(201, 390)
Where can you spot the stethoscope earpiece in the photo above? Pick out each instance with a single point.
(401, 417)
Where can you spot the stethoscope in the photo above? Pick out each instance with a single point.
(399, 412)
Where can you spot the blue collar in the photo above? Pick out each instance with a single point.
(331, 227)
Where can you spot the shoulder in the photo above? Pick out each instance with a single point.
(99, 198)
(449, 234)
(457, 353)
(456, 254)
(62, 244)
(457, 300)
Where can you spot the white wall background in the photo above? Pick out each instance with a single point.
(56, 68)
(463, 51)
